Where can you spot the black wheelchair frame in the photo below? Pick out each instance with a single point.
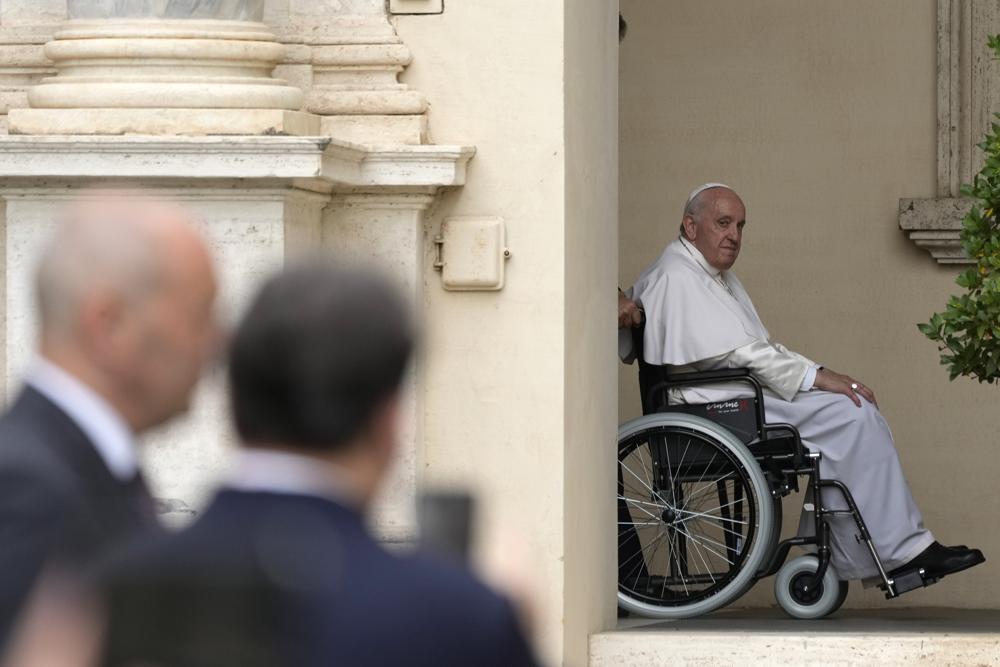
(783, 459)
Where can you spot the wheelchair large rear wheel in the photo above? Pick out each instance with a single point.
(695, 516)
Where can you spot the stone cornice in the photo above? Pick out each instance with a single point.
(935, 224)
(337, 163)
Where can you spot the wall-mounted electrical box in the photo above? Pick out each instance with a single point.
(471, 252)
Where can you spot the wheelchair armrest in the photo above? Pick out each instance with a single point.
(707, 377)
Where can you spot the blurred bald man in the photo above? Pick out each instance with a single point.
(125, 294)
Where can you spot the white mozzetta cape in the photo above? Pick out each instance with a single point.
(698, 318)
(690, 315)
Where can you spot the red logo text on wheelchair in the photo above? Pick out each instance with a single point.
(728, 407)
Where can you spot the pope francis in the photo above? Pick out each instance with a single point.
(699, 317)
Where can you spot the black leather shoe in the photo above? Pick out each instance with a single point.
(938, 560)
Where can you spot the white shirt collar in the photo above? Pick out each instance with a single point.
(102, 425)
(276, 471)
(699, 258)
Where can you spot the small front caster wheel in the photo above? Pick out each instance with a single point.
(798, 595)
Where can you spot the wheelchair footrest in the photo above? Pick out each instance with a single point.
(908, 581)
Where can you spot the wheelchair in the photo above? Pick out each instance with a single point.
(699, 506)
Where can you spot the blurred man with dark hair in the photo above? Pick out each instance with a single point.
(280, 569)
(125, 293)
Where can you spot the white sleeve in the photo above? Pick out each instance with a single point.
(782, 371)
(785, 350)
(810, 379)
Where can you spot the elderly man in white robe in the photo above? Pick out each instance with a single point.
(699, 317)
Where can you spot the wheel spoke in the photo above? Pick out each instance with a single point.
(643, 502)
(673, 542)
(651, 557)
(648, 488)
(647, 470)
(736, 533)
(642, 560)
(706, 538)
(708, 487)
(638, 504)
(711, 516)
(701, 478)
(680, 466)
(708, 570)
(707, 548)
(640, 523)
(643, 549)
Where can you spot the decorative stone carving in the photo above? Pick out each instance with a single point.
(968, 90)
(156, 66)
(316, 163)
(934, 225)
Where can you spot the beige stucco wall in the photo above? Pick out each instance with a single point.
(519, 384)
(591, 233)
(822, 115)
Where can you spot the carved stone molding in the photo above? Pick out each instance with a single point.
(934, 225)
(968, 94)
(325, 163)
(348, 58)
(344, 56)
(136, 67)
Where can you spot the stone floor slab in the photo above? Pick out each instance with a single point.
(881, 637)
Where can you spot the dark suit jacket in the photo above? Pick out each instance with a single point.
(284, 579)
(59, 503)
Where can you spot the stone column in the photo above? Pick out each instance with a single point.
(164, 67)
(356, 58)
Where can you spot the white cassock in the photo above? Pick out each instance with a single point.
(698, 318)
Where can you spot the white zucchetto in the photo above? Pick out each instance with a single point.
(707, 186)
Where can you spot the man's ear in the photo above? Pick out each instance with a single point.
(690, 227)
(102, 323)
